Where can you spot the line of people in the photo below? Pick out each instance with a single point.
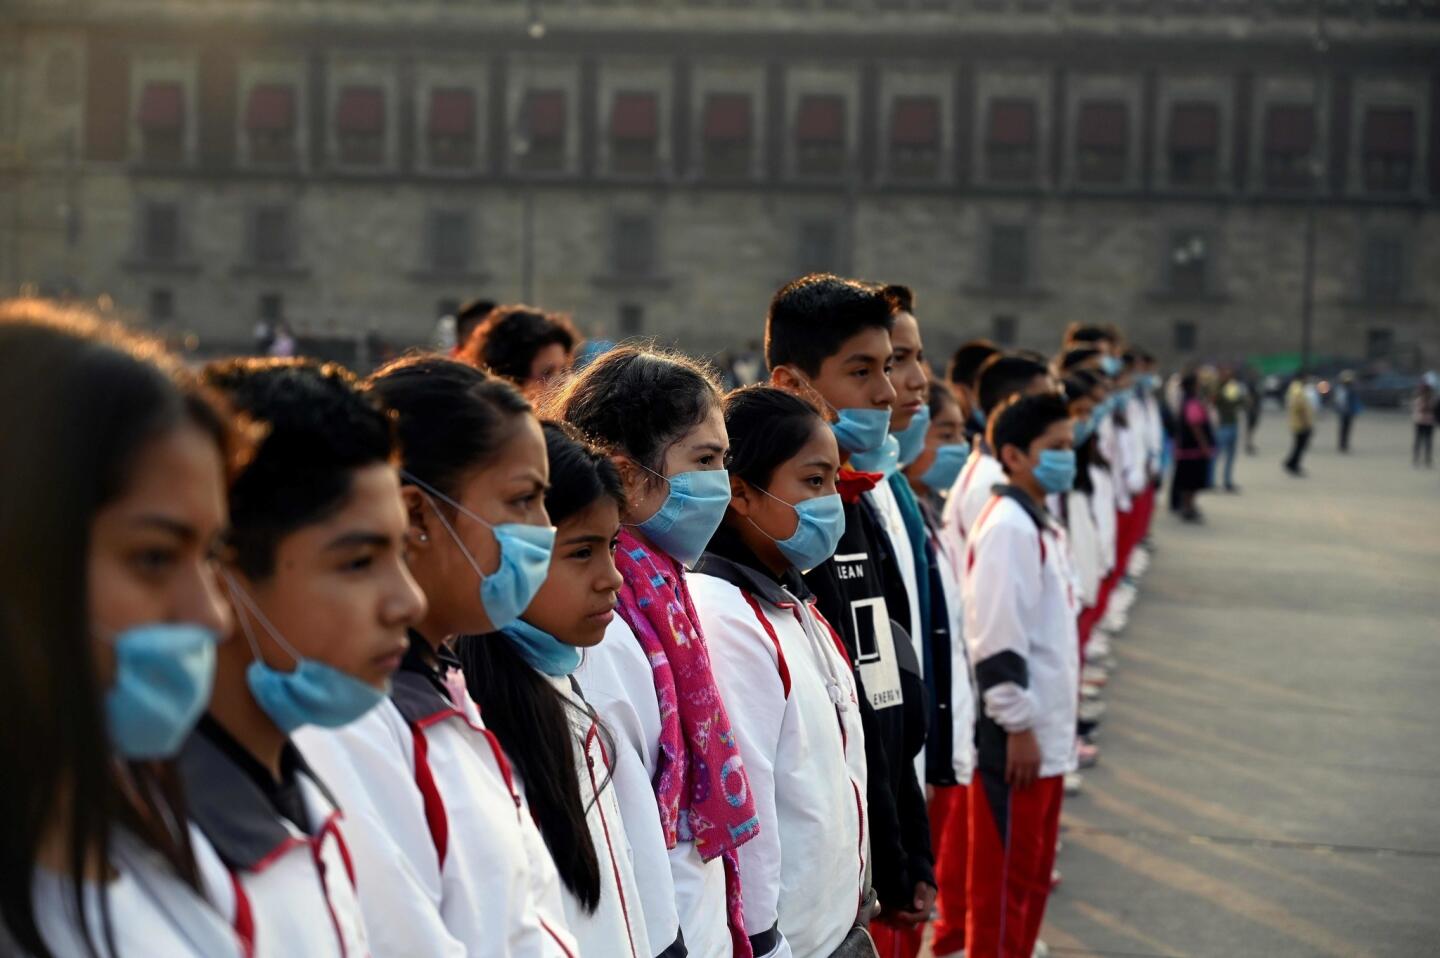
(462, 661)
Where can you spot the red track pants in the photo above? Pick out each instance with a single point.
(949, 836)
(1012, 852)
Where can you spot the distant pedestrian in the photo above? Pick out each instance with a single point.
(1230, 405)
(1254, 400)
(1424, 408)
(283, 345)
(1347, 406)
(1194, 447)
(1301, 412)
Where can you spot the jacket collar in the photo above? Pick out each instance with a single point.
(1038, 515)
(418, 688)
(728, 559)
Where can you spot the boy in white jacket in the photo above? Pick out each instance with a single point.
(1020, 613)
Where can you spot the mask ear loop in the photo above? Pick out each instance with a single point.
(664, 479)
(431, 494)
(793, 507)
(241, 597)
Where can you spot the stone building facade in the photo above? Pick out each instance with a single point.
(658, 167)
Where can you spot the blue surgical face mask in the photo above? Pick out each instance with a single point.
(163, 675)
(1056, 470)
(1111, 365)
(884, 460)
(690, 514)
(313, 694)
(822, 523)
(543, 651)
(861, 430)
(1084, 429)
(912, 437)
(949, 460)
(524, 559)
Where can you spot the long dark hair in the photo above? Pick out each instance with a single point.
(767, 426)
(450, 417)
(525, 711)
(79, 399)
(637, 402)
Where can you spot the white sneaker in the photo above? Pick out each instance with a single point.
(1093, 674)
(1042, 950)
(1099, 644)
(1074, 782)
(1091, 710)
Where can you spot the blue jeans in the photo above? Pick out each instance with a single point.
(1227, 437)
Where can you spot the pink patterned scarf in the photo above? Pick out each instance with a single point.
(700, 783)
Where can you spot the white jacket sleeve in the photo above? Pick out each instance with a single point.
(615, 678)
(1000, 600)
(748, 674)
(369, 766)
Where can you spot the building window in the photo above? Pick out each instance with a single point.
(634, 133)
(1389, 150)
(360, 125)
(819, 247)
(448, 241)
(450, 132)
(1379, 343)
(270, 123)
(1194, 144)
(271, 237)
(160, 233)
(1185, 337)
(1101, 144)
(1188, 264)
(1383, 271)
(1011, 147)
(727, 136)
(543, 131)
(632, 320)
(1008, 257)
(62, 78)
(272, 308)
(634, 246)
(820, 136)
(1289, 145)
(915, 138)
(1004, 330)
(162, 306)
(162, 123)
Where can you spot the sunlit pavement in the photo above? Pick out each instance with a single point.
(1270, 778)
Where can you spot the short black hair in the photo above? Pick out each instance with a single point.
(812, 316)
(940, 396)
(767, 426)
(1004, 375)
(900, 298)
(1074, 387)
(1021, 420)
(1088, 333)
(468, 316)
(968, 359)
(1075, 356)
(506, 342)
(318, 430)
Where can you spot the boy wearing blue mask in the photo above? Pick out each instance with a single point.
(829, 338)
(322, 598)
(1020, 624)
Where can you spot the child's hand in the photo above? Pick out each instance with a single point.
(1022, 759)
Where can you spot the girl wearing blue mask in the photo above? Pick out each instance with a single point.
(316, 576)
(679, 776)
(525, 686)
(797, 715)
(446, 854)
(109, 618)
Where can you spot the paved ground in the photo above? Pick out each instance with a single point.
(1270, 784)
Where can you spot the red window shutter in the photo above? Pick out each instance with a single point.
(635, 116)
(452, 112)
(1289, 129)
(1195, 126)
(727, 117)
(915, 121)
(361, 110)
(1102, 126)
(1012, 123)
(1390, 131)
(821, 119)
(270, 109)
(162, 107)
(545, 113)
